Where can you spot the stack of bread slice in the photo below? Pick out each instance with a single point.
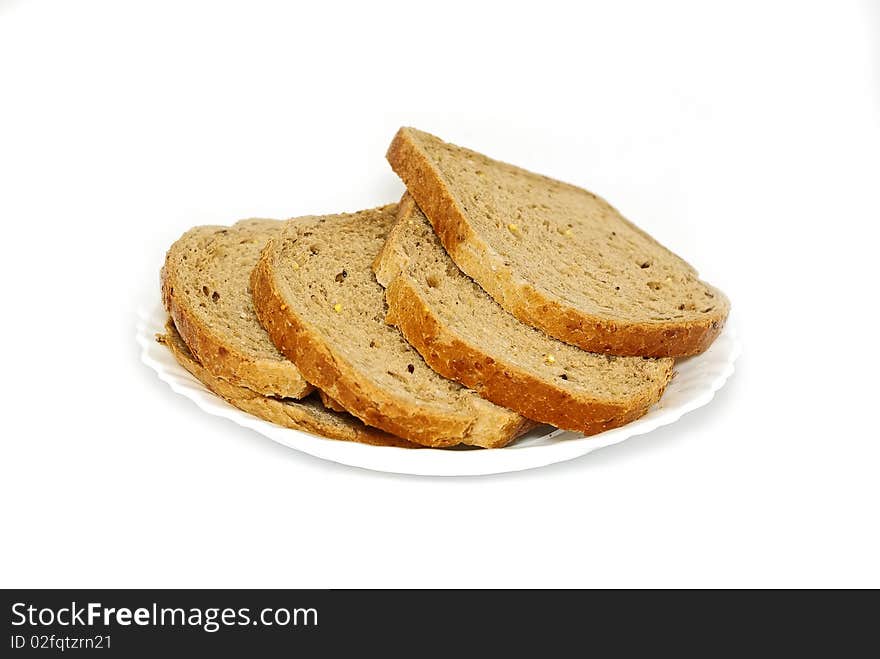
(487, 301)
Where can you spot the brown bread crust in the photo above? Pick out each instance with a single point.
(306, 415)
(531, 306)
(268, 377)
(376, 407)
(329, 403)
(503, 383)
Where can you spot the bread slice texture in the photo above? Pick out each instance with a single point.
(463, 334)
(316, 294)
(556, 256)
(308, 414)
(329, 403)
(206, 291)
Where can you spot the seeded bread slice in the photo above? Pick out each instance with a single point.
(315, 293)
(307, 414)
(557, 257)
(329, 403)
(463, 334)
(206, 291)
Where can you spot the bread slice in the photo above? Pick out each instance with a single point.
(315, 293)
(463, 334)
(206, 290)
(307, 414)
(558, 257)
(329, 403)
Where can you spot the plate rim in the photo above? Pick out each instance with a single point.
(426, 461)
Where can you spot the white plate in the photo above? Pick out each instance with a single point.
(696, 381)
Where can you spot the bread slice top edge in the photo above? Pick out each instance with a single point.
(465, 335)
(316, 295)
(205, 289)
(556, 256)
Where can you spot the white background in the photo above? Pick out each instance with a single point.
(745, 138)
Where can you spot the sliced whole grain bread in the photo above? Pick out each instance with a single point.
(307, 414)
(329, 403)
(315, 293)
(463, 334)
(557, 257)
(206, 290)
